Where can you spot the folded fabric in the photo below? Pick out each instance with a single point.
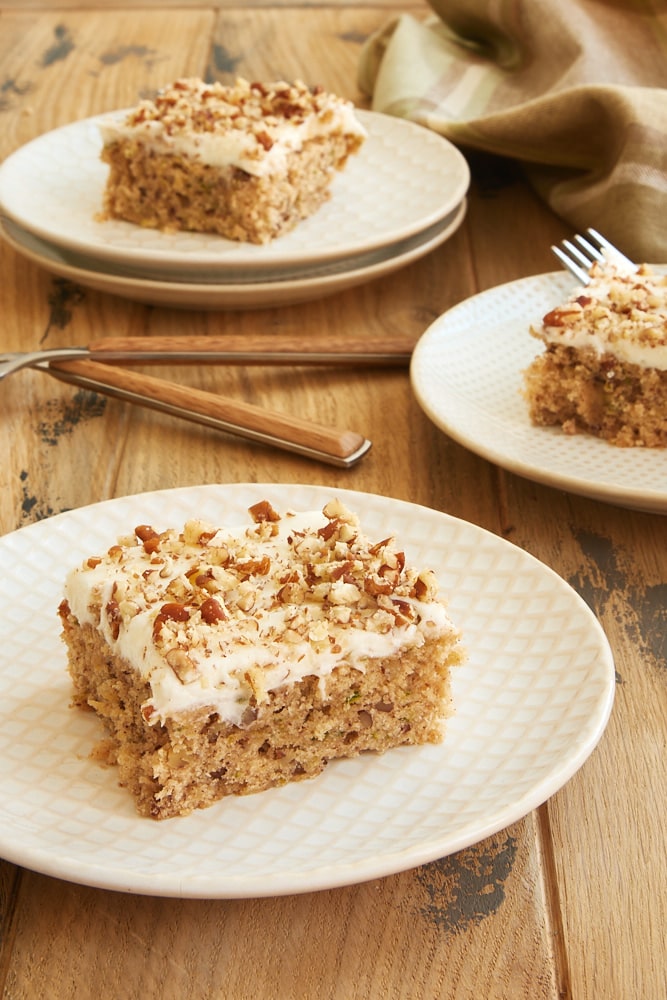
(572, 89)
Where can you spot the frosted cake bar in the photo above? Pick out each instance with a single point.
(246, 161)
(604, 368)
(230, 660)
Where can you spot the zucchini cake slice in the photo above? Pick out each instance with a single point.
(604, 368)
(246, 161)
(225, 661)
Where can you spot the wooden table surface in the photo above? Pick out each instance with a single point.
(569, 902)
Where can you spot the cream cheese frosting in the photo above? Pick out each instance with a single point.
(218, 617)
(621, 312)
(251, 126)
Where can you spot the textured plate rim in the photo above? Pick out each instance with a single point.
(435, 407)
(185, 884)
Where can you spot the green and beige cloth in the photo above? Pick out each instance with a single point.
(572, 89)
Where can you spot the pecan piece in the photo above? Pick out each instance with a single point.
(148, 536)
(250, 567)
(212, 611)
(263, 511)
(172, 611)
(182, 665)
(114, 617)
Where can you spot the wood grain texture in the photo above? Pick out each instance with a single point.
(568, 903)
(66, 65)
(445, 930)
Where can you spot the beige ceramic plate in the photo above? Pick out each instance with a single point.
(207, 295)
(531, 703)
(466, 373)
(405, 179)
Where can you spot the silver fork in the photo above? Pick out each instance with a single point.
(578, 257)
(14, 361)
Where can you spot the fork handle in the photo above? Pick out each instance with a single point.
(283, 349)
(293, 433)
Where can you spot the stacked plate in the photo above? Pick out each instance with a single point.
(400, 197)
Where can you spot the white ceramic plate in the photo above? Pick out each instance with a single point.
(404, 179)
(531, 703)
(467, 376)
(229, 295)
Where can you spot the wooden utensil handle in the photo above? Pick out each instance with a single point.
(295, 430)
(345, 350)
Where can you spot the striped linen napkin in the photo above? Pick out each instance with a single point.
(572, 89)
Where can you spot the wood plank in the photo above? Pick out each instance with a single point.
(61, 67)
(444, 930)
(319, 46)
(58, 69)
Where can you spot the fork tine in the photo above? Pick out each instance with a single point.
(592, 253)
(606, 245)
(578, 256)
(577, 250)
(580, 273)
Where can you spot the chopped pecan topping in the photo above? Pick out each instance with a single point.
(263, 511)
(149, 536)
(114, 617)
(182, 665)
(286, 580)
(212, 611)
(172, 611)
